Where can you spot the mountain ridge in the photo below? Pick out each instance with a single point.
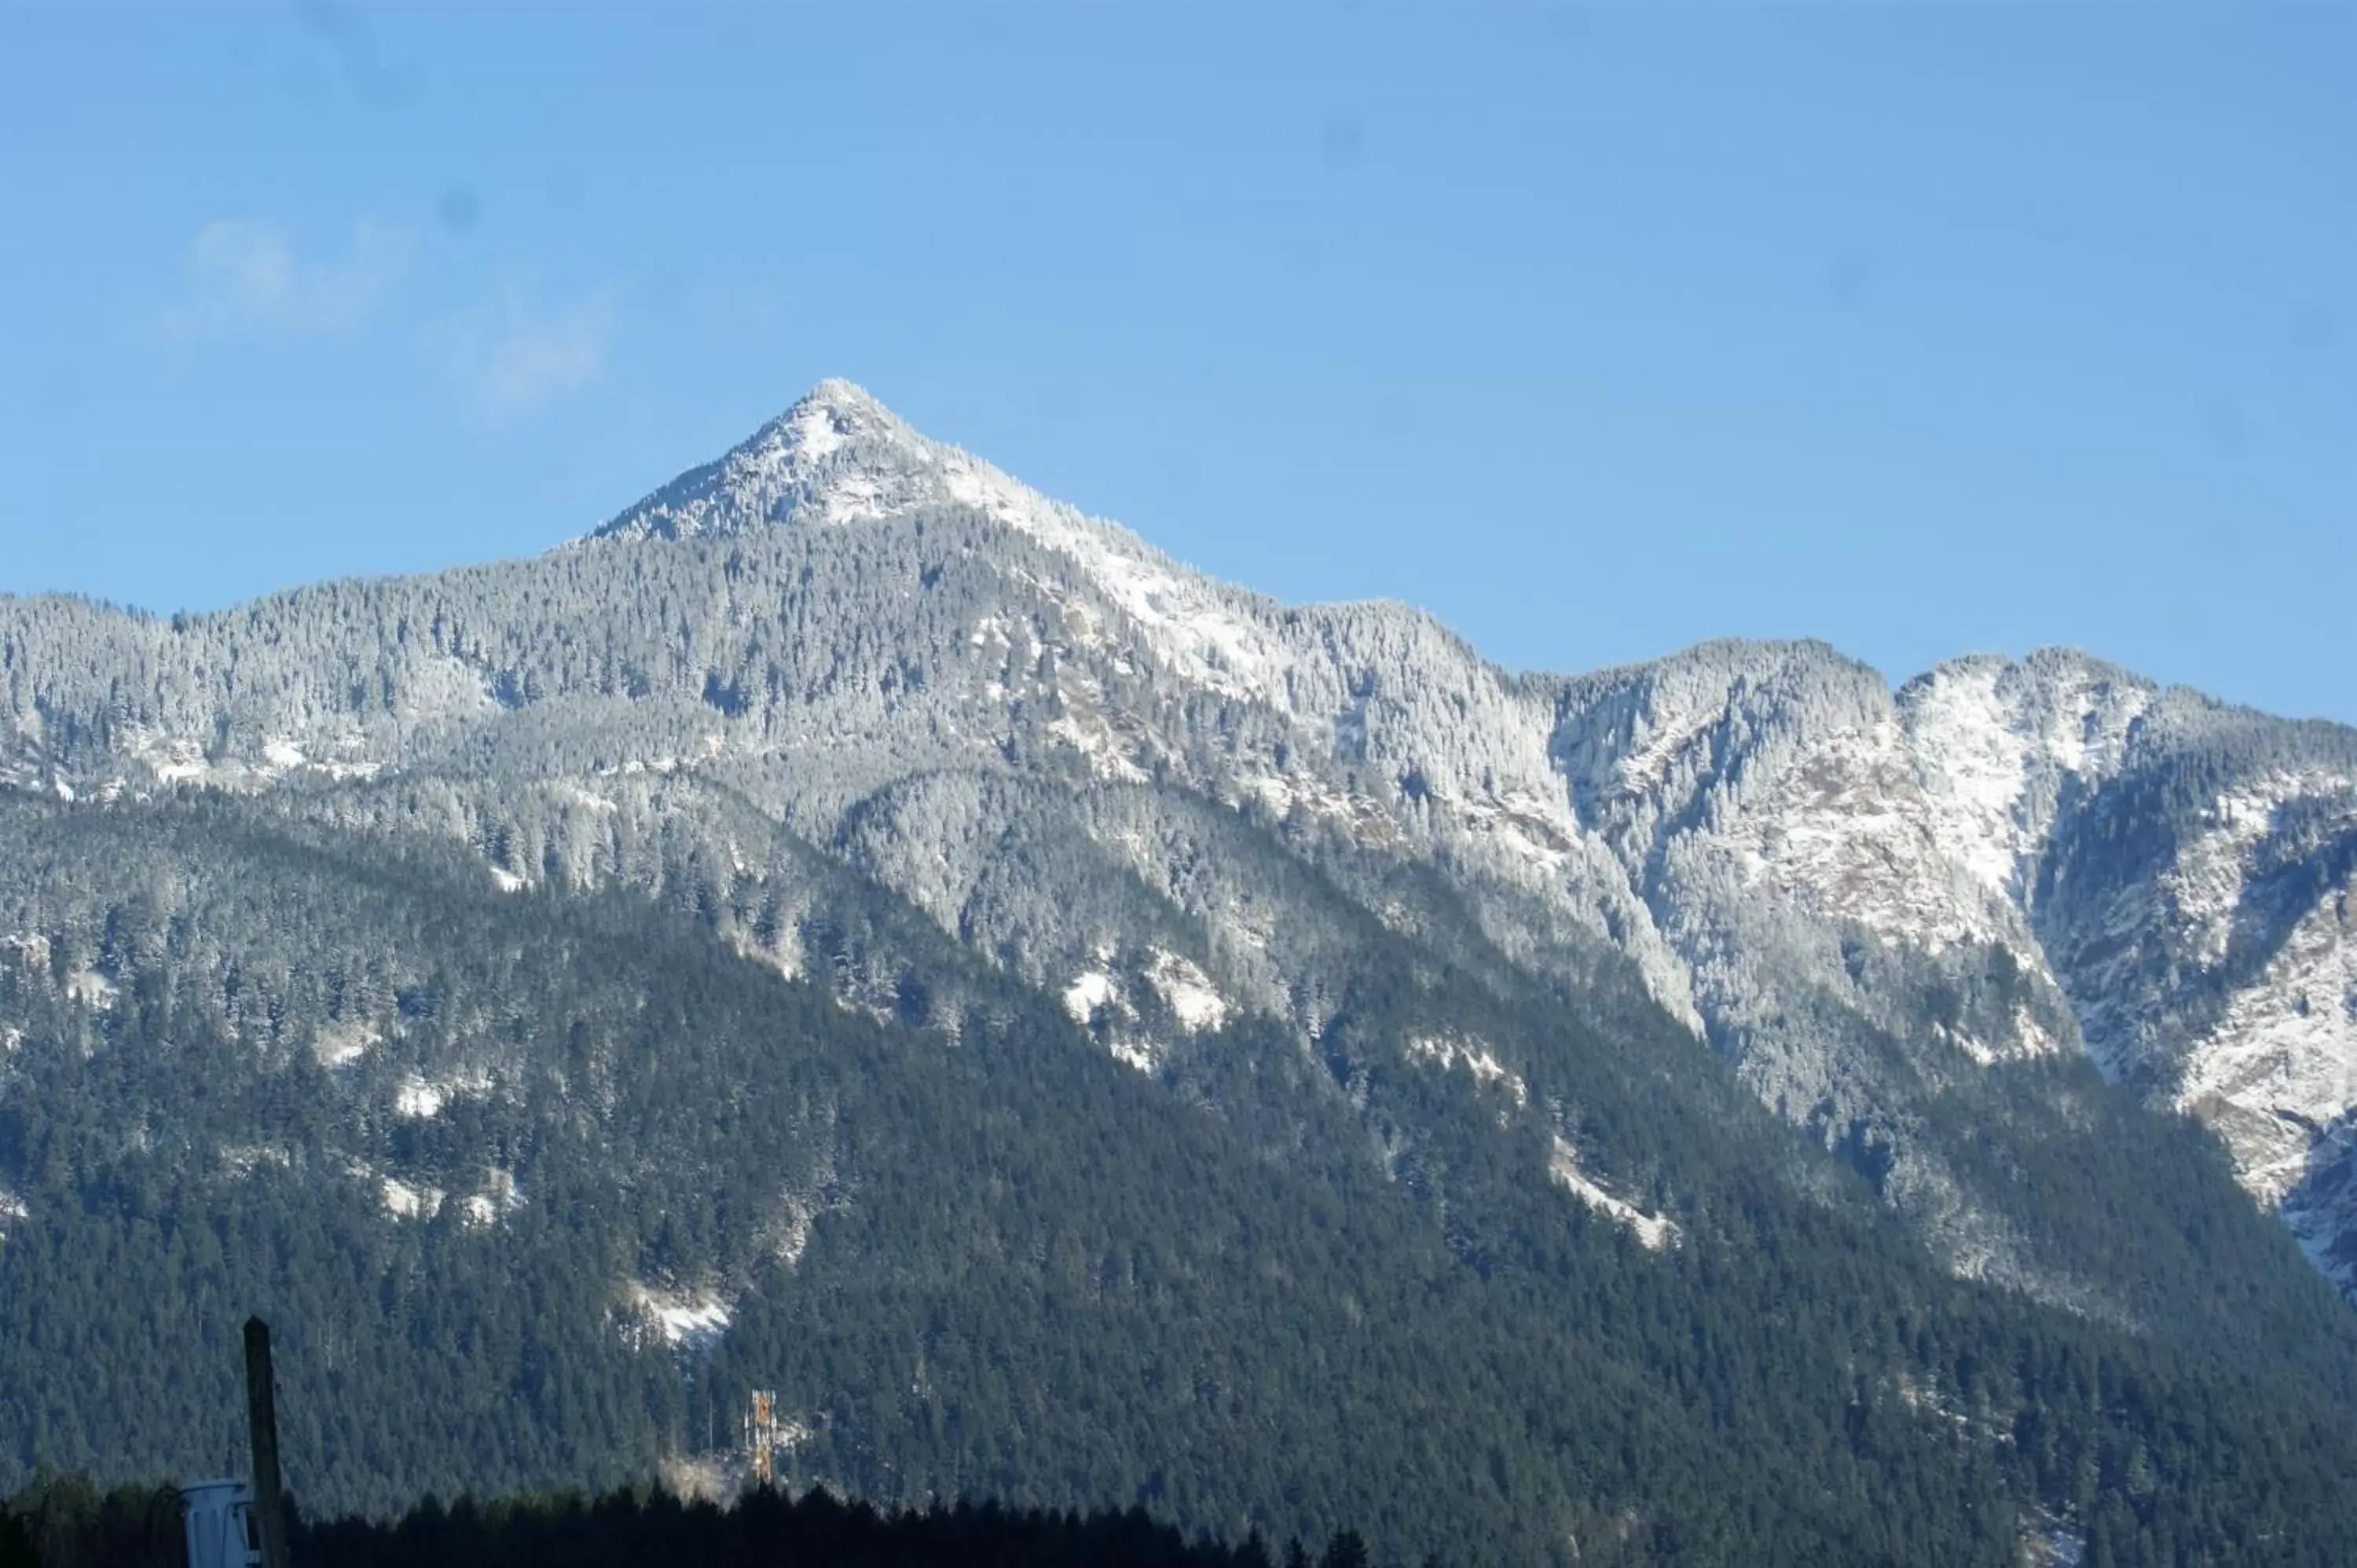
(422, 918)
(1720, 814)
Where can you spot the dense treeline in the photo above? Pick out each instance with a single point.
(67, 1522)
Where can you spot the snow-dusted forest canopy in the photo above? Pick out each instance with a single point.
(1089, 1035)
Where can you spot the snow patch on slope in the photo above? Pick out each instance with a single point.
(1188, 992)
(2280, 1064)
(1993, 739)
(691, 1322)
(499, 1198)
(170, 759)
(1088, 734)
(404, 1201)
(244, 1159)
(1447, 1051)
(91, 989)
(1848, 834)
(421, 1099)
(2206, 885)
(1097, 1001)
(1091, 990)
(342, 1043)
(1969, 754)
(1187, 620)
(1652, 1230)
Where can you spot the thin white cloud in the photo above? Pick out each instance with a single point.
(517, 361)
(246, 279)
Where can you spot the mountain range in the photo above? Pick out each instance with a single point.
(2028, 988)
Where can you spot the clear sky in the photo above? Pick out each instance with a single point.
(1923, 330)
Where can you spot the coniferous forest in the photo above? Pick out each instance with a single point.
(979, 1259)
(1644, 928)
(1303, 1082)
(68, 1523)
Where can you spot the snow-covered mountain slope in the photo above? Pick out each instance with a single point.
(1766, 802)
(1006, 711)
(840, 457)
(1371, 723)
(2196, 904)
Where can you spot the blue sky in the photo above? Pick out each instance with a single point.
(1923, 330)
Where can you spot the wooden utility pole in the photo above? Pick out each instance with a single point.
(261, 1425)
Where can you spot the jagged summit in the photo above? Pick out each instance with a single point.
(836, 410)
(839, 456)
(2004, 858)
(839, 391)
(835, 455)
(1369, 918)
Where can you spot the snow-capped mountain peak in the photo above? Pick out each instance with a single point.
(838, 457)
(824, 458)
(2005, 858)
(830, 414)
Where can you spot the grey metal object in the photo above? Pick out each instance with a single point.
(217, 1518)
(261, 1421)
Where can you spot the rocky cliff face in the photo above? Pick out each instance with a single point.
(1001, 709)
(2163, 880)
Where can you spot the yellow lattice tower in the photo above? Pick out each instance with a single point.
(761, 1437)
